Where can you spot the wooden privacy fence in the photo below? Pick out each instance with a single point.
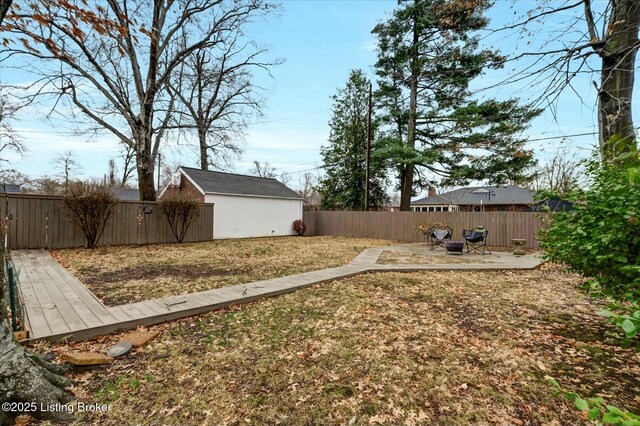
(402, 226)
(37, 221)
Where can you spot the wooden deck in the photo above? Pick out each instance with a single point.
(58, 306)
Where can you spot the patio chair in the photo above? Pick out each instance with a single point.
(476, 239)
(438, 236)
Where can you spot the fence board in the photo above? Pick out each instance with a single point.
(37, 221)
(402, 226)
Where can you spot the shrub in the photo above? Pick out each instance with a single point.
(595, 409)
(91, 204)
(600, 237)
(299, 227)
(181, 208)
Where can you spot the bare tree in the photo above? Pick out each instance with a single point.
(607, 30)
(309, 191)
(67, 167)
(217, 94)
(113, 177)
(110, 178)
(560, 174)
(112, 60)
(9, 140)
(264, 170)
(128, 164)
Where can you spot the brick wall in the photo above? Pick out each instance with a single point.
(186, 185)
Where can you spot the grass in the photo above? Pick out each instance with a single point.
(127, 274)
(444, 348)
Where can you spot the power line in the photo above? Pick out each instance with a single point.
(562, 137)
(322, 166)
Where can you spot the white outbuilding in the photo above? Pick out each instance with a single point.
(244, 206)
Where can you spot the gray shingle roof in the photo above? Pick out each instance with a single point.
(476, 195)
(128, 194)
(230, 183)
(9, 188)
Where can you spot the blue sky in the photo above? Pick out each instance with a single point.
(320, 41)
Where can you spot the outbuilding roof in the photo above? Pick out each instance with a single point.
(476, 195)
(127, 194)
(212, 182)
(9, 188)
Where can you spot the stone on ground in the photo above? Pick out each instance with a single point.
(119, 349)
(139, 338)
(86, 358)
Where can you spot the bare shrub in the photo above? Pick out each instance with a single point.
(91, 204)
(299, 227)
(181, 208)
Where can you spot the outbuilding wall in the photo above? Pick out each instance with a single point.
(252, 216)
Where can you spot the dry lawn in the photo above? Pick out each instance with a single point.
(445, 348)
(127, 274)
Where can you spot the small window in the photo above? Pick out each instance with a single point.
(445, 209)
(438, 209)
(432, 209)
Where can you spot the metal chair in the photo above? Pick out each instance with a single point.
(438, 236)
(476, 239)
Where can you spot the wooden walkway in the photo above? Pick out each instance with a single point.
(58, 306)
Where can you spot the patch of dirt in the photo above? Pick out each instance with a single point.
(91, 276)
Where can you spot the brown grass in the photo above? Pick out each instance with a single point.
(127, 274)
(445, 348)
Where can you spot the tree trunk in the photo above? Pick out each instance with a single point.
(406, 190)
(617, 78)
(145, 164)
(4, 7)
(204, 159)
(27, 378)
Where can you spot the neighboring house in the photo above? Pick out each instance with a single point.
(311, 200)
(477, 198)
(9, 188)
(244, 206)
(551, 205)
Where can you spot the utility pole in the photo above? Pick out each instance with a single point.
(368, 156)
(159, 169)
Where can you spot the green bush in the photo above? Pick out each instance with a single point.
(600, 237)
(596, 409)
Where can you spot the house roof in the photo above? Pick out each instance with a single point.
(230, 183)
(128, 194)
(551, 205)
(476, 195)
(9, 188)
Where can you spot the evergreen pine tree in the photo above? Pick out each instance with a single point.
(343, 187)
(428, 55)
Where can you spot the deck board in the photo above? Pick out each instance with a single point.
(27, 269)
